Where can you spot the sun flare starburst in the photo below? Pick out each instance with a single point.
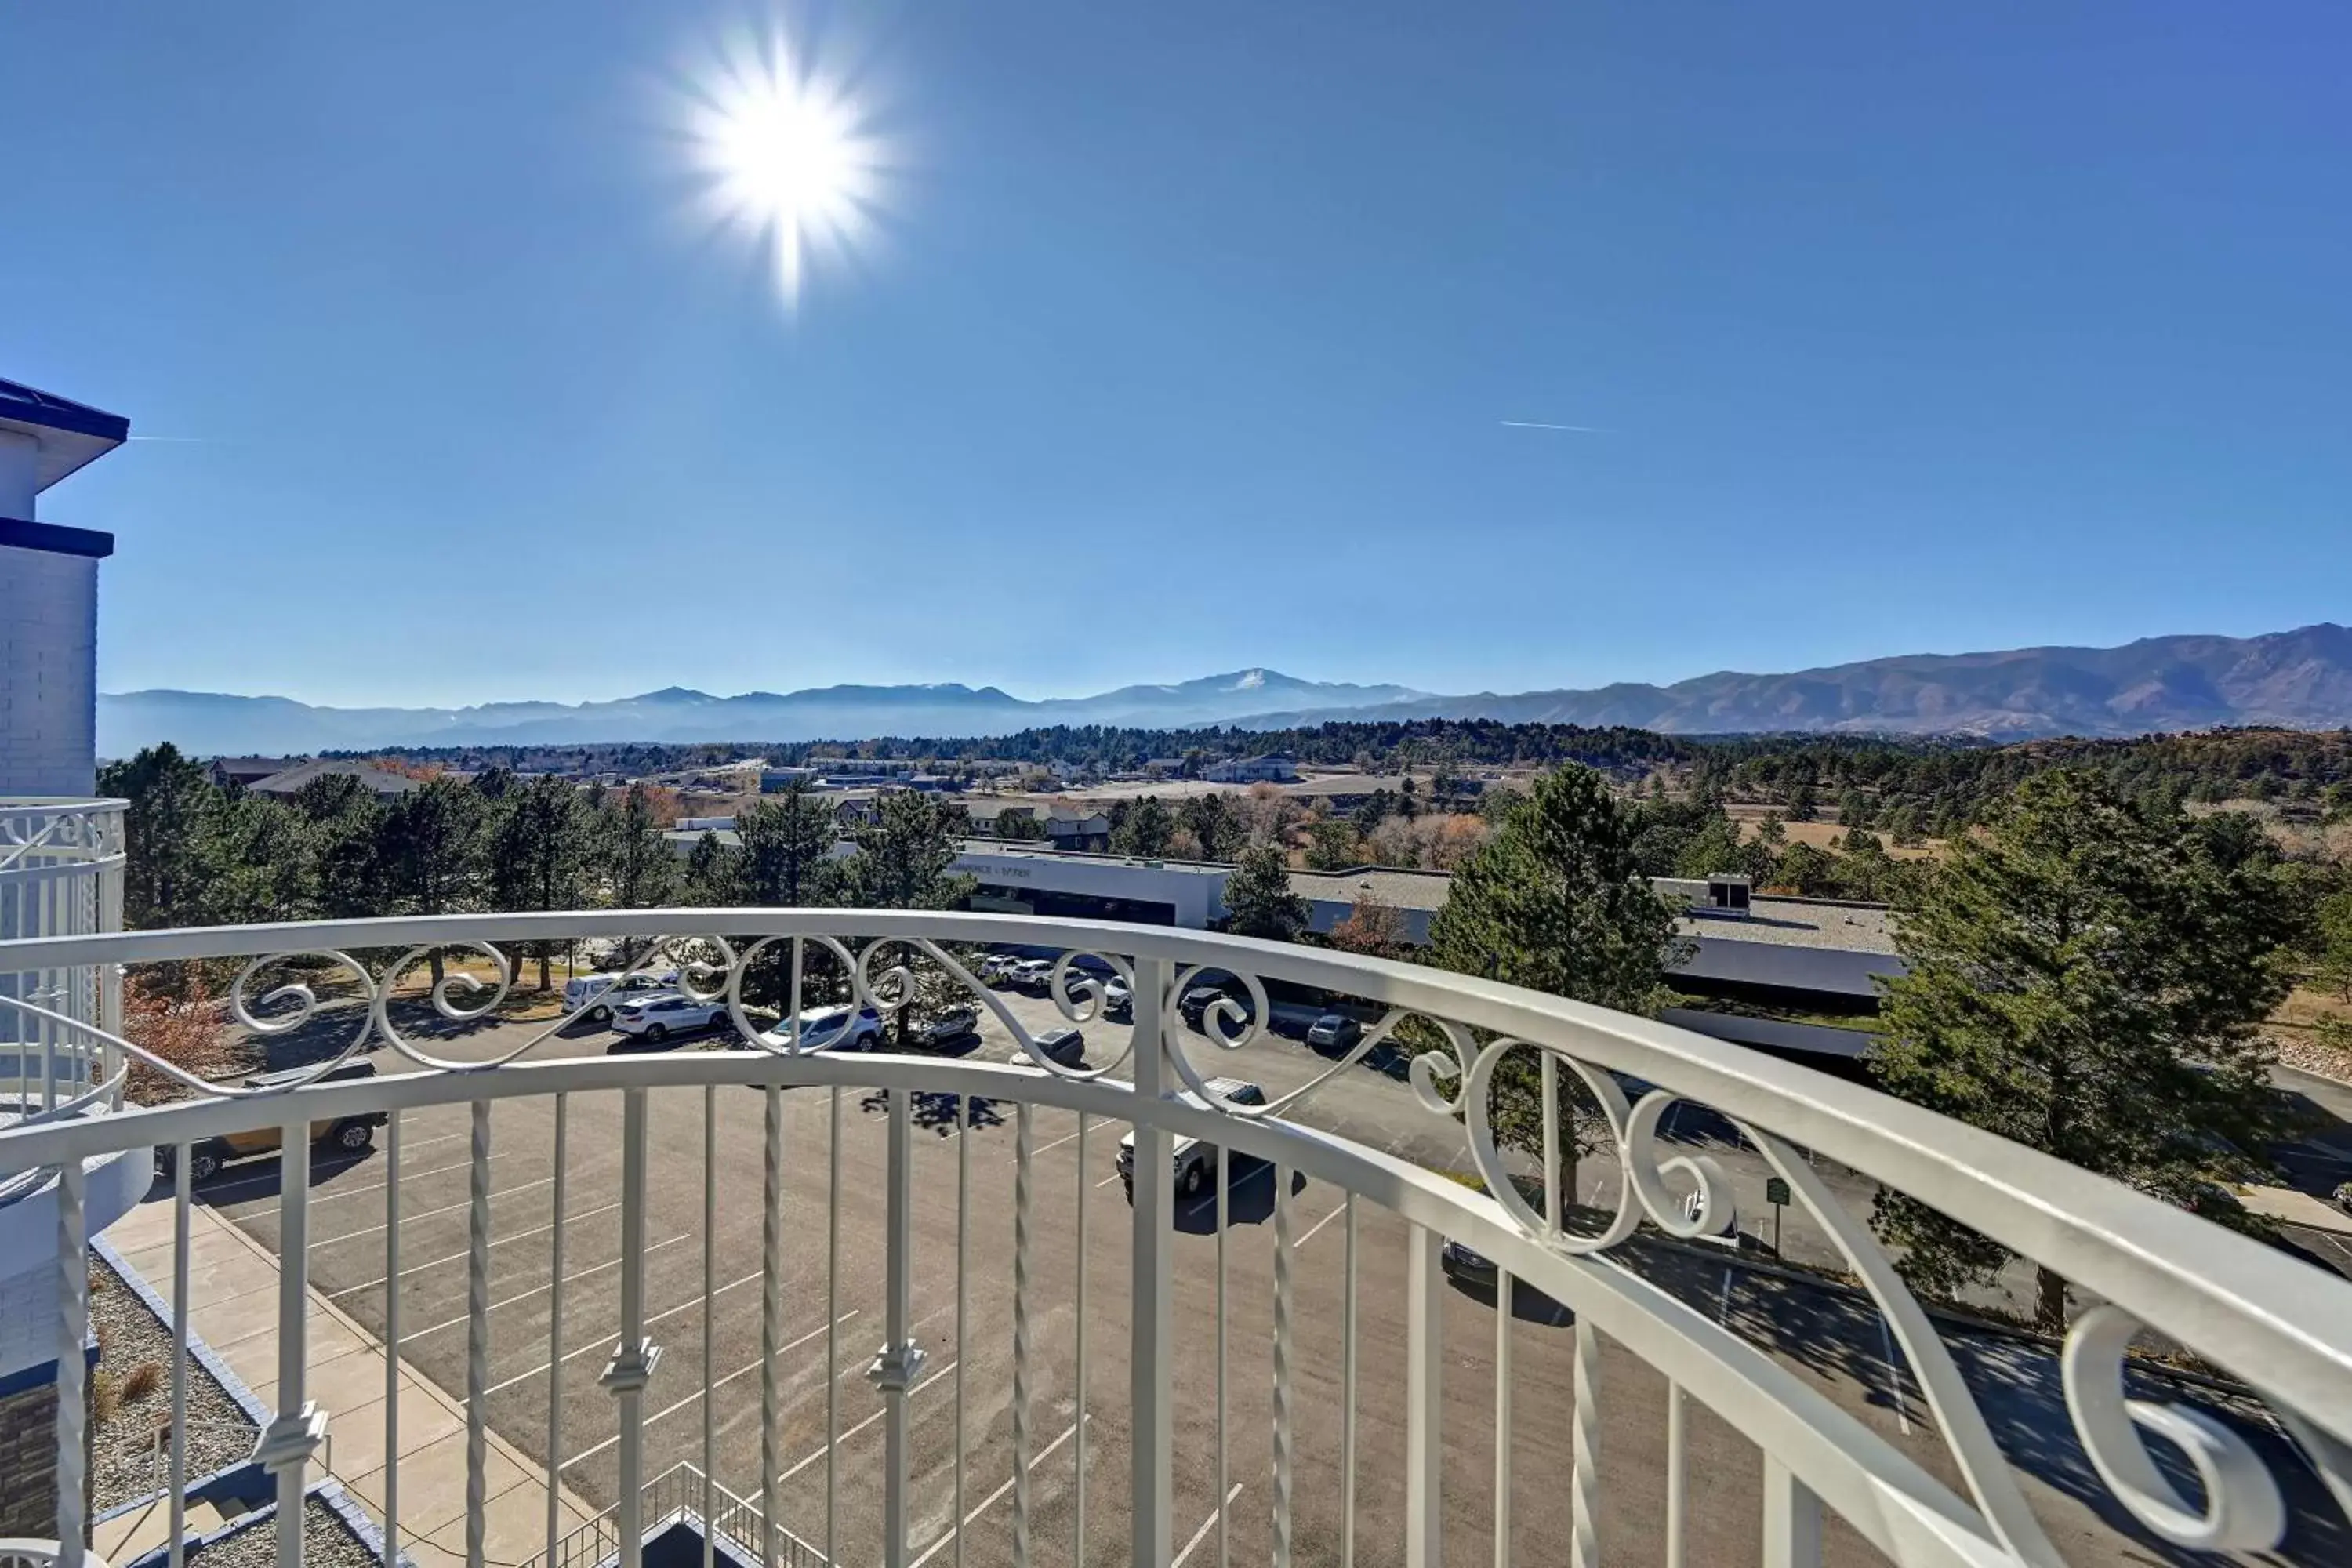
(785, 153)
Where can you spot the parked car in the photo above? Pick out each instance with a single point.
(654, 1019)
(992, 966)
(956, 1024)
(1119, 1001)
(839, 1027)
(1196, 1003)
(1468, 1265)
(344, 1135)
(1196, 1161)
(609, 991)
(1334, 1031)
(1030, 974)
(1065, 1046)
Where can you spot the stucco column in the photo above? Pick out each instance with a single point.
(18, 452)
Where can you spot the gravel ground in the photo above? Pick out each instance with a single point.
(326, 1543)
(130, 1336)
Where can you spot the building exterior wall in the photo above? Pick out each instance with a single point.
(49, 672)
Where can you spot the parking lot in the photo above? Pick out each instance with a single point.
(832, 1418)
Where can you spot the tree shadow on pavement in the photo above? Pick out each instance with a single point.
(1842, 1337)
(937, 1112)
(1249, 1196)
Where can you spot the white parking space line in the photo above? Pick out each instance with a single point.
(317, 1198)
(697, 1393)
(995, 1497)
(603, 1341)
(1054, 1144)
(1893, 1373)
(1106, 1181)
(460, 1257)
(1206, 1525)
(814, 1454)
(1320, 1224)
(431, 1214)
(527, 1295)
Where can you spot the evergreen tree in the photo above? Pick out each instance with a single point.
(2332, 967)
(786, 860)
(1144, 830)
(542, 847)
(431, 846)
(1259, 900)
(639, 871)
(902, 863)
(347, 870)
(1216, 825)
(170, 831)
(1803, 805)
(2086, 979)
(1556, 902)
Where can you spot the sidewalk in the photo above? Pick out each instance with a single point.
(232, 1307)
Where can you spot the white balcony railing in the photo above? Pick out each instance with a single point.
(1334, 1392)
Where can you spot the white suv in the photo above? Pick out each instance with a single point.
(654, 1019)
(840, 1027)
(609, 991)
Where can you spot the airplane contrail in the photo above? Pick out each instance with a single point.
(1541, 425)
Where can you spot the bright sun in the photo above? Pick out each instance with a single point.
(789, 159)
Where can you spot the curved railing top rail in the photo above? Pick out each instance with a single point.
(2267, 1317)
(2248, 1307)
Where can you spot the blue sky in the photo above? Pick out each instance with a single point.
(1188, 340)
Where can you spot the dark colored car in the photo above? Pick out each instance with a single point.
(1334, 1031)
(957, 1024)
(1067, 1046)
(1201, 998)
(349, 1135)
(1470, 1267)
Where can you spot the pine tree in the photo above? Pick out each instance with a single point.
(1145, 830)
(1259, 899)
(2085, 979)
(541, 845)
(1556, 902)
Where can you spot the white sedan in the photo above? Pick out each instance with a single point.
(656, 1018)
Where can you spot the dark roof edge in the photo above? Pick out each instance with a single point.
(23, 535)
(31, 405)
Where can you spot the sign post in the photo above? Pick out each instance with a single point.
(1776, 1193)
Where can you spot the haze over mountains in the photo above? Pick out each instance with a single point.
(2300, 679)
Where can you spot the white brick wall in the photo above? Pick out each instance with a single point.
(49, 672)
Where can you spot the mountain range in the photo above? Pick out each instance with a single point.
(2299, 679)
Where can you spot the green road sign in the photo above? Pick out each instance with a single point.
(1776, 1190)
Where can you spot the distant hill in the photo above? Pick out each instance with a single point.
(2300, 679)
(208, 723)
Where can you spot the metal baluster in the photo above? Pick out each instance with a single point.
(1504, 1292)
(1282, 1357)
(555, 1337)
(1552, 1205)
(477, 1331)
(1149, 1395)
(1677, 1464)
(710, 1291)
(900, 1360)
(1584, 1467)
(1792, 1520)
(1224, 1225)
(73, 1367)
(636, 1356)
(963, 1299)
(772, 1322)
(1348, 1394)
(832, 1333)
(392, 1341)
(286, 1447)
(182, 1197)
(1424, 1413)
(1021, 1139)
(1078, 1495)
